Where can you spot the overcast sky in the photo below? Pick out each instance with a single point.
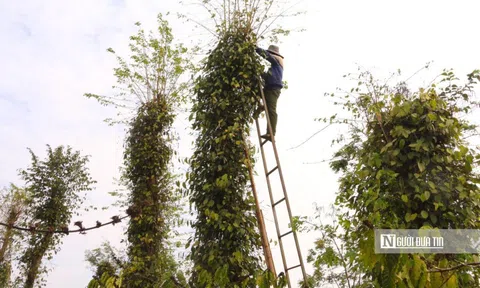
(53, 51)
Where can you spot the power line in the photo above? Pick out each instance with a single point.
(311, 136)
(65, 230)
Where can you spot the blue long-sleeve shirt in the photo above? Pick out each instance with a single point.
(274, 77)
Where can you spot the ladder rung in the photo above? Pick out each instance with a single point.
(273, 170)
(283, 235)
(278, 202)
(263, 143)
(293, 267)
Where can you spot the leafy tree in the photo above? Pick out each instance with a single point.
(54, 186)
(152, 74)
(259, 16)
(13, 201)
(225, 247)
(107, 264)
(151, 82)
(334, 254)
(147, 158)
(226, 240)
(405, 164)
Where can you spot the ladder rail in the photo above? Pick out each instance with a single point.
(275, 218)
(287, 202)
(261, 223)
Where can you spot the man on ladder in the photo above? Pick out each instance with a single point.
(273, 85)
(270, 93)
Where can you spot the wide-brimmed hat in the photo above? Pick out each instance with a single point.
(274, 50)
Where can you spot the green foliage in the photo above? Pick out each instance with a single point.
(260, 17)
(5, 273)
(224, 249)
(148, 85)
(408, 167)
(147, 160)
(334, 254)
(13, 201)
(107, 264)
(150, 82)
(54, 186)
(152, 71)
(225, 246)
(106, 281)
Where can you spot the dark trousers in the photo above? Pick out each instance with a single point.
(271, 97)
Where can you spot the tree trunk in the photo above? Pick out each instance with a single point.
(36, 261)
(6, 243)
(7, 237)
(5, 266)
(5, 273)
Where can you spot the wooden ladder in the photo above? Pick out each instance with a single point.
(274, 202)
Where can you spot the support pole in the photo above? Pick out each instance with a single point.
(266, 246)
(261, 223)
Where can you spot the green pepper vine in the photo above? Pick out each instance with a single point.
(226, 241)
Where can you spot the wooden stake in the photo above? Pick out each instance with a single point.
(261, 223)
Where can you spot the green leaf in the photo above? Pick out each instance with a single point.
(410, 217)
(437, 205)
(405, 198)
(407, 217)
(421, 166)
(426, 195)
(459, 187)
(424, 214)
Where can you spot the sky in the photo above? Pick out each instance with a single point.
(54, 51)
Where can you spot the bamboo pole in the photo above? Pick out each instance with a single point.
(261, 223)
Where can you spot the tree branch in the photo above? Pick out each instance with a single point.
(454, 267)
